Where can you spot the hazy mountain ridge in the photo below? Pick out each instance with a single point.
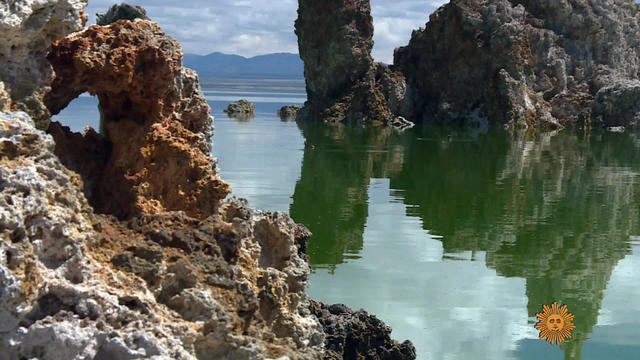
(277, 65)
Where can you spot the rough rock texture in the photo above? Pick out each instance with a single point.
(343, 83)
(289, 112)
(155, 153)
(358, 335)
(241, 108)
(74, 285)
(526, 63)
(27, 28)
(121, 12)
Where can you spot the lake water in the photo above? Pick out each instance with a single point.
(454, 237)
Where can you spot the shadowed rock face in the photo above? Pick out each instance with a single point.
(27, 28)
(335, 39)
(526, 63)
(156, 122)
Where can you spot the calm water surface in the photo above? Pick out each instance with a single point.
(456, 244)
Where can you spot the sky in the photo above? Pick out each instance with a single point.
(256, 27)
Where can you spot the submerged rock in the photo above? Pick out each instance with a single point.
(525, 63)
(289, 112)
(121, 12)
(241, 108)
(343, 83)
(155, 119)
(27, 29)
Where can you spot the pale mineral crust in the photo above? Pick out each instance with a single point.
(27, 28)
(526, 63)
(155, 121)
(343, 83)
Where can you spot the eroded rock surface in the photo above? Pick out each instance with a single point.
(78, 285)
(27, 28)
(526, 63)
(155, 120)
(343, 83)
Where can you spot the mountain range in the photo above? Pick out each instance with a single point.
(270, 66)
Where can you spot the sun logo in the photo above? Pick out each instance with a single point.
(555, 323)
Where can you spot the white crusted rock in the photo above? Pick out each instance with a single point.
(27, 29)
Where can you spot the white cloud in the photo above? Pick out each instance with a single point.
(257, 27)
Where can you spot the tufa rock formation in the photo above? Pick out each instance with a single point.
(121, 12)
(74, 285)
(343, 83)
(27, 29)
(526, 63)
(241, 108)
(167, 270)
(155, 155)
(289, 112)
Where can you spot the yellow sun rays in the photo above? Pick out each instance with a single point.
(555, 323)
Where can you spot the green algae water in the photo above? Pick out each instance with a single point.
(454, 237)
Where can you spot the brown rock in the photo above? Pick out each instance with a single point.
(155, 120)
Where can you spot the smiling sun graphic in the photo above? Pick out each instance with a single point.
(555, 323)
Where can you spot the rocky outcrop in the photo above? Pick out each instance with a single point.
(343, 83)
(121, 12)
(77, 285)
(526, 63)
(27, 29)
(358, 335)
(241, 108)
(289, 112)
(157, 129)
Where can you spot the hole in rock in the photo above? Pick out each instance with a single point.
(81, 112)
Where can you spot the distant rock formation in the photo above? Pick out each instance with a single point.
(241, 108)
(27, 29)
(121, 12)
(526, 63)
(155, 119)
(343, 82)
(289, 112)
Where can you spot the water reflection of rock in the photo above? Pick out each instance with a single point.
(333, 188)
(555, 210)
